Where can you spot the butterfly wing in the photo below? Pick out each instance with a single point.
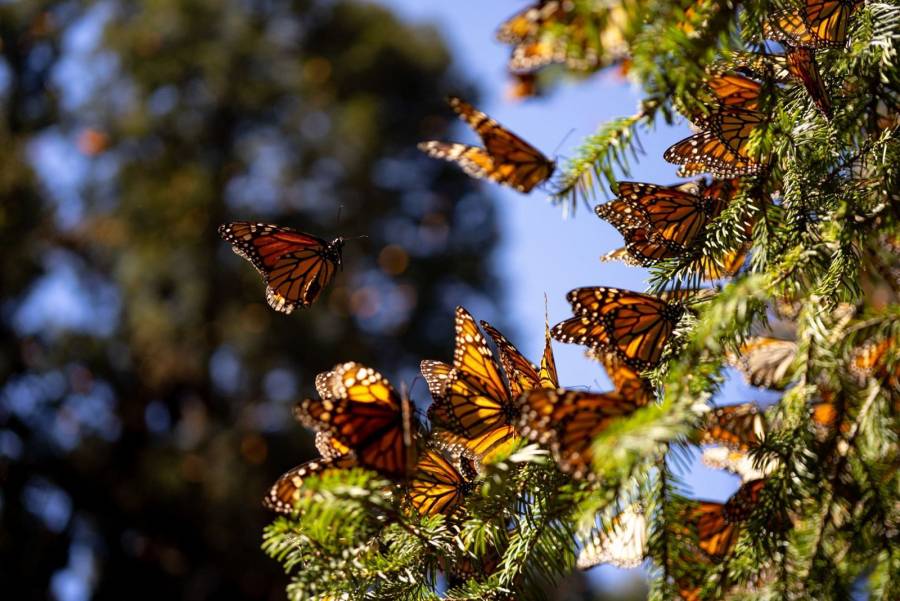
(520, 372)
(625, 380)
(676, 216)
(715, 534)
(766, 361)
(623, 544)
(567, 421)
(444, 476)
(635, 326)
(365, 414)
(295, 266)
(827, 21)
(515, 162)
(801, 64)
(706, 152)
(547, 376)
(738, 427)
(735, 91)
(288, 489)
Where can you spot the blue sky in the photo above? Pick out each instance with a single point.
(540, 251)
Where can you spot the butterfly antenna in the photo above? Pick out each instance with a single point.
(563, 141)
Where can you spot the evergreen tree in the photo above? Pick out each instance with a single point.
(796, 107)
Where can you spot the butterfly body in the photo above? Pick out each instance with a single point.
(296, 266)
(506, 158)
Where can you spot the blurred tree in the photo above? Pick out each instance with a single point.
(145, 404)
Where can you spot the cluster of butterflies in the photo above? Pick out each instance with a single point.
(480, 405)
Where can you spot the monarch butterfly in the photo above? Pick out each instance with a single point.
(722, 148)
(622, 545)
(567, 421)
(765, 361)
(718, 524)
(632, 325)
(521, 374)
(733, 90)
(288, 489)
(659, 222)
(362, 411)
(625, 380)
(801, 64)
(444, 476)
(506, 158)
(550, 31)
(472, 401)
(820, 24)
(295, 266)
(738, 427)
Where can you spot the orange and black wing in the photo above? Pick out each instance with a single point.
(735, 91)
(643, 245)
(626, 381)
(677, 216)
(635, 326)
(735, 426)
(288, 489)
(296, 266)
(506, 158)
(801, 64)
(828, 20)
(715, 534)
(567, 421)
(708, 152)
(548, 376)
(444, 475)
(520, 372)
(366, 415)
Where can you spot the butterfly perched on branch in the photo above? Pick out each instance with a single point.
(818, 24)
(445, 474)
(718, 525)
(288, 489)
(360, 410)
(471, 398)
(295, 266)
(633, 326)
(521, 374)
(660, 222)
(506, 158)
(722, 146)
(557, 31)
(567, 421)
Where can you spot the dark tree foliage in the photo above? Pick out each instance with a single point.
(145, 404)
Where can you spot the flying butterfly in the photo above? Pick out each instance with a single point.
(506, 158)
(567, 421)
(623, 544)
(819, 24)
(472, 400)
(295, 266)
(445, 474)
(633, 326)
(363, 413)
